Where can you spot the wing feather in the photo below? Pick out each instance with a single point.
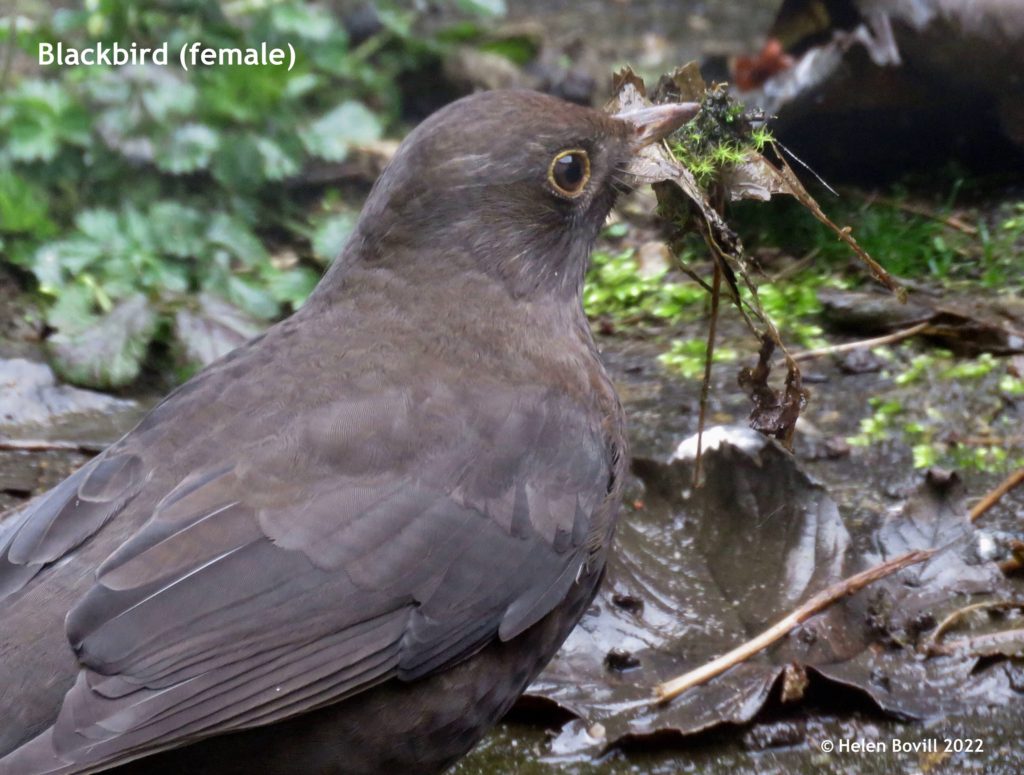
(65, 517)
(246, 598)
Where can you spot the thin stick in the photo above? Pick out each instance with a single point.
(37, 445)
(989, 441)
(693, 276)
(997, 605)
(671, 689)
(792, 184)
(990, 500)
(986, 644)
(952, 221)
(709, 357)
(877, 341)
(796, 267)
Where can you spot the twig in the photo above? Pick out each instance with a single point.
(671, 689)
(993, 605)
(877, 341)
(39, 445)
(796, 267)
(990, 500)
(792, 184)
(709, 357)
(952, 221)
(695, 277)
(988, 441)
(987, 644)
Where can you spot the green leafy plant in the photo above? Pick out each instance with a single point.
(617, 288)
(147, 182)
(793, 304)
(968, 430)
(688, 357)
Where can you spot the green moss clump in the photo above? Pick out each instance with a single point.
(721, 136)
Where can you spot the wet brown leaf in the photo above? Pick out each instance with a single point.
(684, 84)
(705, 570)
(775, 412)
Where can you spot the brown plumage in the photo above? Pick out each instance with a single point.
(349, 545)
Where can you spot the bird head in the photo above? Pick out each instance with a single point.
(515, 184)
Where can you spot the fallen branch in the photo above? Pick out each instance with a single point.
(709, 357)
(863, 344)
(668, 690)
(990, 500)
(37, 445)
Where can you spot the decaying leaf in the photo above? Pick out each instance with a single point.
(684, 84)
(754, 179)
(775, 412)
(699, 571)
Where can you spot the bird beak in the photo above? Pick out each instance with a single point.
(656, 122)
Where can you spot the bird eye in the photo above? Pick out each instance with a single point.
(569, 172)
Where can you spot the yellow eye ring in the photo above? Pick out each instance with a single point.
(569, 172)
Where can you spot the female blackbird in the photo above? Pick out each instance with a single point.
(349, 545)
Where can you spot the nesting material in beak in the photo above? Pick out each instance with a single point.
(656, 122)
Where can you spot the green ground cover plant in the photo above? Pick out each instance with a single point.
(120, 183)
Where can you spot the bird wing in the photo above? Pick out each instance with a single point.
(54, 524)
(383, 537)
